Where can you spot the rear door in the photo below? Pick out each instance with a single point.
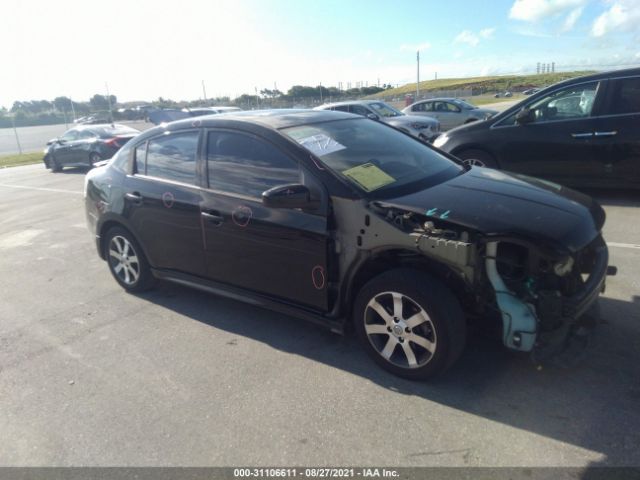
(162, 201)
(279, 252)
(617, 132)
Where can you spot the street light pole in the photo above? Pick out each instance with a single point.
(109, 100)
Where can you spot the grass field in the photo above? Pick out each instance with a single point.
(484, 84)
(24, 159)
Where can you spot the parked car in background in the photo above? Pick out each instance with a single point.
(422, 127)
(166, 115)
(530, 91)
(581, 132)
(341, 221)
(86, 145)
(450, 112)
(199, 111)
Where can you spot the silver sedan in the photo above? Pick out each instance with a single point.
(450, 112)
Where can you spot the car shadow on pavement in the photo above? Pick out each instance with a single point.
(593, 406)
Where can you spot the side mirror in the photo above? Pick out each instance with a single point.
(52, 141)
(287, 196)
(373, 116)
(525, 116)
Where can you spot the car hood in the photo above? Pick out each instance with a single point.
(409, 119)
(497, 203)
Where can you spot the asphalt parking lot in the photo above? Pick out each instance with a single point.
(91, 375)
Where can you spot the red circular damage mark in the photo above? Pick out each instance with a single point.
(241, 215)
(317, 277)
(168, 199)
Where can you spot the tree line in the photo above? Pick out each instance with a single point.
(63, 109)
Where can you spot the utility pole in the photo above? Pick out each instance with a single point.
(320, 93)
(553, 67)
(204, 92)
(418, 72)
(73, 110)
(13, 121)
(109, 100)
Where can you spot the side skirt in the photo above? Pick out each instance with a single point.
(245, 296)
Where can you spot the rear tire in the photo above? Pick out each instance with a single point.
(477, 158)
(127, 262)
(94, 157)
(410, 323)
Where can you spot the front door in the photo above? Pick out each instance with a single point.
(558, 144)
(162, 202)
(280, 252)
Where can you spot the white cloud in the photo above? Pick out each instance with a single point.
(472, 38)
(571, 19)
(487, 32)
(623, 15)
(414, 48)
(536, 10)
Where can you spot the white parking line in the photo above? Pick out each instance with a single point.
(57, 190)
(623, 245)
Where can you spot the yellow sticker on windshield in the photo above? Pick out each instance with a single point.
(368, 176)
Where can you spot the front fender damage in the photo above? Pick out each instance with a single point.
(539, 291)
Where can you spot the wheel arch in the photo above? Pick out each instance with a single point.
(104, 230)
(481, 148)
(402, 258)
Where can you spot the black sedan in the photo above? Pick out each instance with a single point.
(339, 220)
(582, 132)
(86, 145)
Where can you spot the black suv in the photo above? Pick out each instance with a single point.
(581, 132)
(343, 221)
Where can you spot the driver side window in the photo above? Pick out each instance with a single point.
(566, 104)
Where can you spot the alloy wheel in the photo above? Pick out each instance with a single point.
(400, 330)
(124, 260)
(473, 162)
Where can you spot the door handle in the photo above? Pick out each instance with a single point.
(133, 197)
(606, 134)
(582, 135)
(213, 216)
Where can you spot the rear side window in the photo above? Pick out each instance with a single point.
(245, 165)
(173, 157)
(422, 107)
(625, 96)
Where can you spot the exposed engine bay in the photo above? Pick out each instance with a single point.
(539, 291)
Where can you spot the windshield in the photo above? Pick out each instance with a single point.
(372, 156)
(385, 110)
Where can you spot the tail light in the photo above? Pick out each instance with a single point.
(117, 142)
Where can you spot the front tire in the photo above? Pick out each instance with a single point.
(410, 323)
(127, 262)
(54, 165)
(477, 158)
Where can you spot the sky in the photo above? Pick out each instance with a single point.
(148, 49)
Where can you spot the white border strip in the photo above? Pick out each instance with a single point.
(42, 189)
(624, 245)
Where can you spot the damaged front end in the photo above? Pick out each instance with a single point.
(542, 296)
(540, 291)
